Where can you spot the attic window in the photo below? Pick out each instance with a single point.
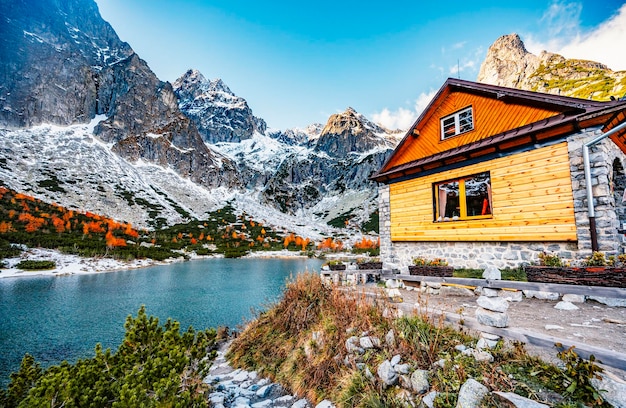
(457, 123)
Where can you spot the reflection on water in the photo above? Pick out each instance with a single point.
(62, 318)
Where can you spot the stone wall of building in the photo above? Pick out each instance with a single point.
(608, 191)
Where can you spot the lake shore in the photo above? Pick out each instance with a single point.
(67, 264)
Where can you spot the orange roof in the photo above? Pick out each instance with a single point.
(504, 119)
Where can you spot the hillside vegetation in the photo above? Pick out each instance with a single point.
(304, 343)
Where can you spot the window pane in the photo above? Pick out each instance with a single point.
(448, 200)
(477, 192)
(449, 127)
(465, 121)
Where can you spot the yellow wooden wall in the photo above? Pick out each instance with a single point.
(531, 195)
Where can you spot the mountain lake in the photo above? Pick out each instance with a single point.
(62, 318)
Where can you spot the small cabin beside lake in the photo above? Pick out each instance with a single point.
(493, 176)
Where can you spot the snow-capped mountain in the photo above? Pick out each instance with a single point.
(85, 123)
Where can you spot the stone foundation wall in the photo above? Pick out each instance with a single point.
(480, 255)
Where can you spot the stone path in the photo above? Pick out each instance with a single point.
(246, 389)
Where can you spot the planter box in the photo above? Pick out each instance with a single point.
(337, 267)
(370, 265)
(586, 276)
(441, 271)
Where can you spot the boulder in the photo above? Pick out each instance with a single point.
(419, 381)
(511, 295)
(490, 292)
(387, 374)
(541, 295)
(495, 304)
(492, 319)
(492, 273)
(518, 401)
(573, 298)
(563, 305)
(613, 302)
(471, 394)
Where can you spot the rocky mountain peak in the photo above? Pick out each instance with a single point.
(219, 114)
(348, 132)
(509, 64)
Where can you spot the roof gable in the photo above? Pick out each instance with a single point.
(497, 111)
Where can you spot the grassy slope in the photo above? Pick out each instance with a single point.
(300, 342)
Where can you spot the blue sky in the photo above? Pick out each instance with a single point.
(298, 63)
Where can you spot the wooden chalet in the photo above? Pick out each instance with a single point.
(493, 165)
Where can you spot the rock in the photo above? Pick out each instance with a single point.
(490, 292)
(482, 356)
(566, 306)
(511, 295)
(369, 375)
(573, 298)
(495, 304)
(387, 374)
(541, 295)
(492, 273)
(419, 381)
(401, 368)
(486, 344)
(429, 399)
(353, 345)
(301, 403)
(471, 394)
(263, 404)
(612, 389)
(241, 401)
(520, 402)
(433, 285)
(390, 338)
(369, 342)
(325, 404)
(492, 319)
(460, 347)
(613, 302)
(553, 327)
(392, 283)
(396, 359)
(284, 400)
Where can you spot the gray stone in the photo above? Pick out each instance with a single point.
(553, 327)
(369, 375)
(396, 359)
(613, 302)
(612, 389)
(573, 298)
(486, 344)
(284, 400)
(490, 292)
(301, 403)
(520, 402)
(433, 285)
(325, 404)
(263, 404)
(511, 295)
(495, 304)
(541, 295)
(492, 319)
(387, 374)
(419, 381)
(565, 306)
(489, 336)
(390, 338)
(265, 390)
(460, 347)
(401, 368)
(352, 345)
(492, 273)
(482, 356)
(429, 399)
(369, 342)
(471, 394)
(241, 402)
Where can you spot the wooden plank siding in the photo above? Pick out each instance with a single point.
(531, 195)
(491, 117)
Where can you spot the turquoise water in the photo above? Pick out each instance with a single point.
(62, 318)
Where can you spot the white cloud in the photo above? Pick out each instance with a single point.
(403, 118)
(600, 44)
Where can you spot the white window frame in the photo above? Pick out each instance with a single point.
(457, 123)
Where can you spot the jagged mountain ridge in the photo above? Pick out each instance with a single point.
(509, 64)
(62, 64)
